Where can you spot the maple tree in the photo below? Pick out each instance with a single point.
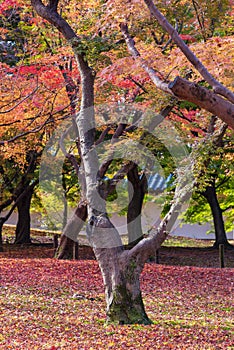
(32, 104)
(209, 192)
(195, 120)
(213, 191)
(17, 186)
(89, 48)
(121, 269)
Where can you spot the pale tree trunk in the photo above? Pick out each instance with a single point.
(120, 276)
(122, 286)
(121, 269)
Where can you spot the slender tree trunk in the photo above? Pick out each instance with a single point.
(220, 234)
(65, 210)
(139, 187)
(24, 220)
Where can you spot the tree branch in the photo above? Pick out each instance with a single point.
(135, 53)
(183, 89)
(50, 14)
(227, 208)
(216, 85)
(33, 131)
(157, 235)
(53, 4)
(204, 98)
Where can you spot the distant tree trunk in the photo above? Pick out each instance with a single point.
(22, 233)
(66, 248)
(139, 186)
(70, 233)
(2, 221)
(65, 211)
(220, 234)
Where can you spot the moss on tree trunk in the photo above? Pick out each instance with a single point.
(125, 310)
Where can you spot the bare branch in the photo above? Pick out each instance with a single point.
(33, 131)
(68, 155)
(103, 135)
(138, 84)
(118, 132)
(122, 172)
(228, 208)
(21, 101)
(135, 53)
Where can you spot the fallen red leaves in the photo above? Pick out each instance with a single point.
(50, 304)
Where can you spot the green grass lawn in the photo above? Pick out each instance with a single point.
(175, 241)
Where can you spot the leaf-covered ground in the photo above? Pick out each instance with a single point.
(50, 304)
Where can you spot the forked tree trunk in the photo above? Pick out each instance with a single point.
(120, 269)
(220, 233)
(121, 277)
(22, 233)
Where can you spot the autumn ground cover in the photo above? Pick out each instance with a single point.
(51, 304)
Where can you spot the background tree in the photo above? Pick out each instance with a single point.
(213, 197)
(31, 105)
